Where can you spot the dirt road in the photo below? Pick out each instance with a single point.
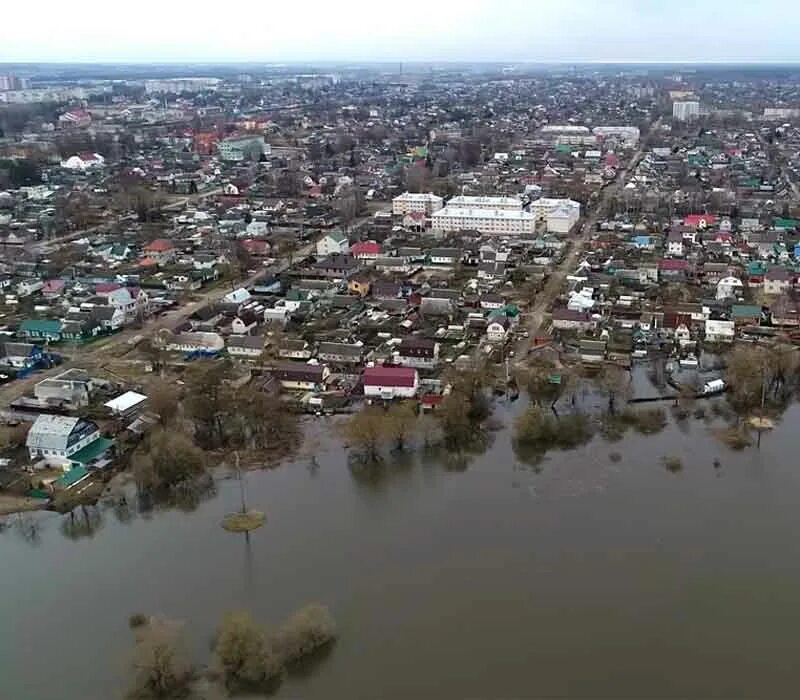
(537, 315)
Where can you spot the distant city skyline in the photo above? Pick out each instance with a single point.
(613, 31)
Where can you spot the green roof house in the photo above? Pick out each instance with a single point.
(32, 329)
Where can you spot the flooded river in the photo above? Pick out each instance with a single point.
(582, 578)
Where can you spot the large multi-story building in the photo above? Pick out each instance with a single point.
(566, 135)
(494, 222)
(240, 148)
(496, 203)
(180, 85)
(559, 215)
(685, 111)
(628, 135)
(416, 203)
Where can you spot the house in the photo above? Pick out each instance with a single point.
(127, 404)
(785, 312)
(444, 256)
(675, 243)
(295, 349)
(366, 251)
(27, 287)
(247, 319)
(59, 437)
(418, 352)
(161, 251)
(592, 351)
(492, 302)
(719, 331)
(237, 297)
(393, 265)
(296, 376)
(333, 242)
(340, 353)
(673, 270)
(390, 382)
(777, 280)
(20, 355)
(336, 266)
(497, 329)
(569, 319)
(700, 221)
(746, 314)
(200, 342)
(49, 330)
(109, 318)
(206, 318)
(83, 161)
(247, 347)
(256, 247)
(386, 290)
(358, 284)
(53, 289)
(729, 288)
(70, 388)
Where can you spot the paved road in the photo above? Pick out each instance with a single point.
(536, 316)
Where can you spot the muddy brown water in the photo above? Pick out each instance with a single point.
(587, 578)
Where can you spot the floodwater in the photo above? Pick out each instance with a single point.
(579, 578)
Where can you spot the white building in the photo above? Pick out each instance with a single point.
(567, 135)
(59, 436)
(333, 242)
(495, 222)
(84, 161)
(628, 135)
(719, 331)
(560, 215)
(390, 382)
(496, 203)
(729, 288)
(423, 203)
(685, 111)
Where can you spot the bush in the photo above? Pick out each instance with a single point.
(137, 620)
(537, 430)
(304, 632)
(648, 422)
(615, 457)
(673, 463)
(737, 438)
(246, 659)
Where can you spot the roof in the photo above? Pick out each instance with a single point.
(390, 376)
(746, 311)
(696, 220)
(72, 477)
(366, 248)
(253, 342)
(336, 236)
(40, 326)
(51, 432)
(670, 264)
(160, 245)
(125, 401)
(92, 451)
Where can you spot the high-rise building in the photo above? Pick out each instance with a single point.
(685, 111)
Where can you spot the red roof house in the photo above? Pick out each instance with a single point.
(390, 382)
(367, 250)
(700, 220)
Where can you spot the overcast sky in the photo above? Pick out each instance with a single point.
(403, 30)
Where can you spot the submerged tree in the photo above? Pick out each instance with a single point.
(401, 423)
(245, 657)
(366, 431)
(160, 669)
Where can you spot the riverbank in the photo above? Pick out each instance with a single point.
(10, 504)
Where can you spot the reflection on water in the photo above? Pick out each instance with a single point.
(583, 575)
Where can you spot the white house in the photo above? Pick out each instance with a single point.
(719, 331)
(247, 347)
(333, 242)
(675, 243)
(390, 382)
(84, 161)
(729, 288)
(497, 330)
(59, 436)
(193, 342)
(559, 215)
